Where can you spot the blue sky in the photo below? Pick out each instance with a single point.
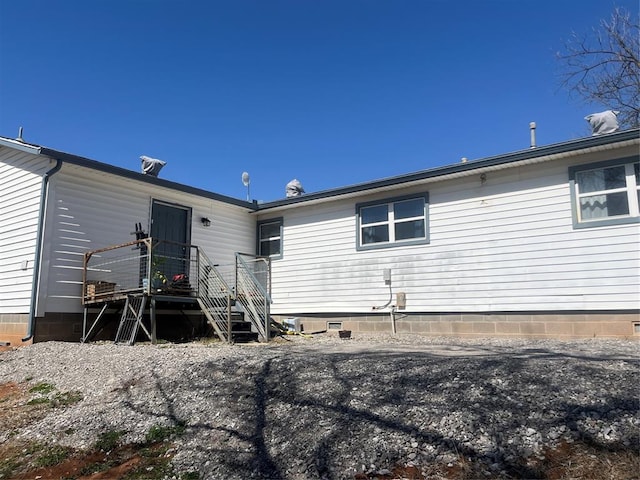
(332, 93)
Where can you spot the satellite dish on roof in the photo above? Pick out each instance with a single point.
(246, 181)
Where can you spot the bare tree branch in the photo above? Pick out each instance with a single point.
(604, 67)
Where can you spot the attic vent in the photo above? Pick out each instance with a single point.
(603, 122)
(294, 188)
(151, 166)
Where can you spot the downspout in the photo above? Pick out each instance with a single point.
(39, 239)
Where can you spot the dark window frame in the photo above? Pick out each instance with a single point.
(392, 222)
(260, 240)
(632, 188)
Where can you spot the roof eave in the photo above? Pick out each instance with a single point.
(531, 155)
(19, 145)
(123, 172)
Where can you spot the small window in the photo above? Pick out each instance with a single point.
(270, 238)
(393, 222)
(606, 193)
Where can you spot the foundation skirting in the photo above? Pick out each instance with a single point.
(572, 325)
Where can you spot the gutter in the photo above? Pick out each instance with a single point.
(130, 174)
(39, 240)
(522, 157)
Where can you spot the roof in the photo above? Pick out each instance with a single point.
(122, 172)
(522, 157)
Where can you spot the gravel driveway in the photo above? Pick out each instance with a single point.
(321, 407)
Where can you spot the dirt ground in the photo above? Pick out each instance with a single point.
(19, 460)
(151, 459)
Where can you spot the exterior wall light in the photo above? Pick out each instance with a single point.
(205, 221)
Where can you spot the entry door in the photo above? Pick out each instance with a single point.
(170, 223)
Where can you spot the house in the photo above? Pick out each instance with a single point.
(542, 242)
(56, 207)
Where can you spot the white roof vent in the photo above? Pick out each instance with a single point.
(294, 188)
(151, 166)
(603, 122)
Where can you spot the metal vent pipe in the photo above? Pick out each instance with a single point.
(532, 127)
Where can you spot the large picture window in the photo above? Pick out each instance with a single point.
(270, 238)
(606, 193)
(392, 222)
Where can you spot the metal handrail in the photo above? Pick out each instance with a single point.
(150, 267)
(115, 271)
(143, 266)
(214, 297)
(252, 293)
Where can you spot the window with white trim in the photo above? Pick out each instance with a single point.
(392, 222)
(606, 193)
(270, 238)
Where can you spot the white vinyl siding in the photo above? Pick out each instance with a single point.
(20, 189)
(505, 243)
(91, 210)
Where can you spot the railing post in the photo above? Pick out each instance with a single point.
(85, 262)
(148, 242)
(229, 339)
(267, 323)
(197, 279)
(253, 293)
(152, 314)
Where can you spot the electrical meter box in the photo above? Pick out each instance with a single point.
(386, 275)
(401, 300)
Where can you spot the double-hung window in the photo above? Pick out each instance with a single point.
(270, 238)
(392, 222)
(606, 193)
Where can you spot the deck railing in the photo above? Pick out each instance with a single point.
(215, 296)
(150, 267)
(253, 277)
(141, 266)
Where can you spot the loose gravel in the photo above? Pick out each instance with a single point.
(324, 407)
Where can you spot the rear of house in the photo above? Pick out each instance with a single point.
(21, 182)
(56, 206)
(539, 243)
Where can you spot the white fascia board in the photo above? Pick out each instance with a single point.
(449, 176)
(17, 145)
